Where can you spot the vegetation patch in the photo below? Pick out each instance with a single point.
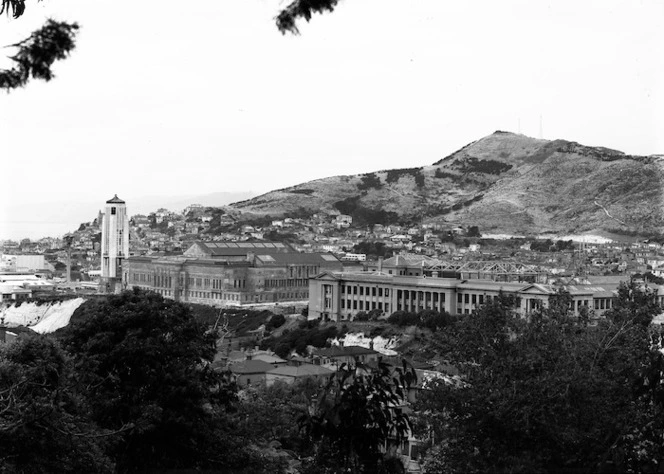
(363, 215)
(471, 164)
(443, 174)
(370, 180)
(307, 334)
(394, 176)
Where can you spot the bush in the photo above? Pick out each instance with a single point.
(275, 321)
(370, 180)
(427, 318)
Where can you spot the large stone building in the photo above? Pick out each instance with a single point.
(340, 296)
(231, 273)
(114, 244)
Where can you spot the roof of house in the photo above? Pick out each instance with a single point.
(270, 359)
(115, 200)
(221, 249)
(251, 367)
(304, 370)
(344, 351)
(297, 258)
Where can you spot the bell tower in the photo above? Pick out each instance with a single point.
(114, 244)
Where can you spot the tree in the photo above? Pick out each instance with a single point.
(286, 20)
(43, 421)
(547, 395)
(144, 364)
(36, 54)
(55, 40)
(473, 231)
(356, 414)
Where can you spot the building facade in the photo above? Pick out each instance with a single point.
(114, 243)
(339, 296)
(230, 273)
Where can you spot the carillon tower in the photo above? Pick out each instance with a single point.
(114, 244)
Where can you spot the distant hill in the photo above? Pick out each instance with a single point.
(147, 204)
(505, 182)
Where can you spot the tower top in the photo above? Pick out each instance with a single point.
(115, 200)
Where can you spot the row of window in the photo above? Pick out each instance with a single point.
(364, 290)
(421, 295)
(280, 283)
(364, 305)
(141, 277)
(302, 271)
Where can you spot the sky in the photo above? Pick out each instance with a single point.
(165, 98)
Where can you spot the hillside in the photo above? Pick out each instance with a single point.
(504, 182)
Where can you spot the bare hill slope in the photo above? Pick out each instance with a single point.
(504, 182)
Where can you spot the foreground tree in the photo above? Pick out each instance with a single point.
(355, 416)
(43, 422)
(549, 395)
(36, 54)
(143, 362)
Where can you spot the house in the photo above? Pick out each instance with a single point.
(333, 357)
(250, 372)
(290, 373)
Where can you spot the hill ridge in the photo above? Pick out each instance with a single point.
(503, 182)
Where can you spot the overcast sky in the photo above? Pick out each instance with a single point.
(181, 98)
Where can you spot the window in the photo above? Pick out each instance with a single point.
(459, 298)
(474, 299)
(387, 292)
(112, 211)
(466, 298)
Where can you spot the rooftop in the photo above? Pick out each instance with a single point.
(115, 200)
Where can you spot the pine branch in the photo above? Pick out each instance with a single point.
(37, 53)
(301, 9)
(17, 7)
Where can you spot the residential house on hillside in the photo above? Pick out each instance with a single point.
(333, 357)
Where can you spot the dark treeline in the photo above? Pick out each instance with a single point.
(128, 386)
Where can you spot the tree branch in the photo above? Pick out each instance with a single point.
(301, 9)
(37, 53)
(17, 7)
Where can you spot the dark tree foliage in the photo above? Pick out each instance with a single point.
(298, 9)
(394, 175)
(308, 334)
(634, 305)
(17, 7)
(143, 363)
(269, 414)
(357, 412)
(376, 249)
(43, 422)
(288, 237)
(370, 180)
(348, 205)
(36, 54)
(427, 318)
(473, 231)
(548, 394)
(275, 321)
